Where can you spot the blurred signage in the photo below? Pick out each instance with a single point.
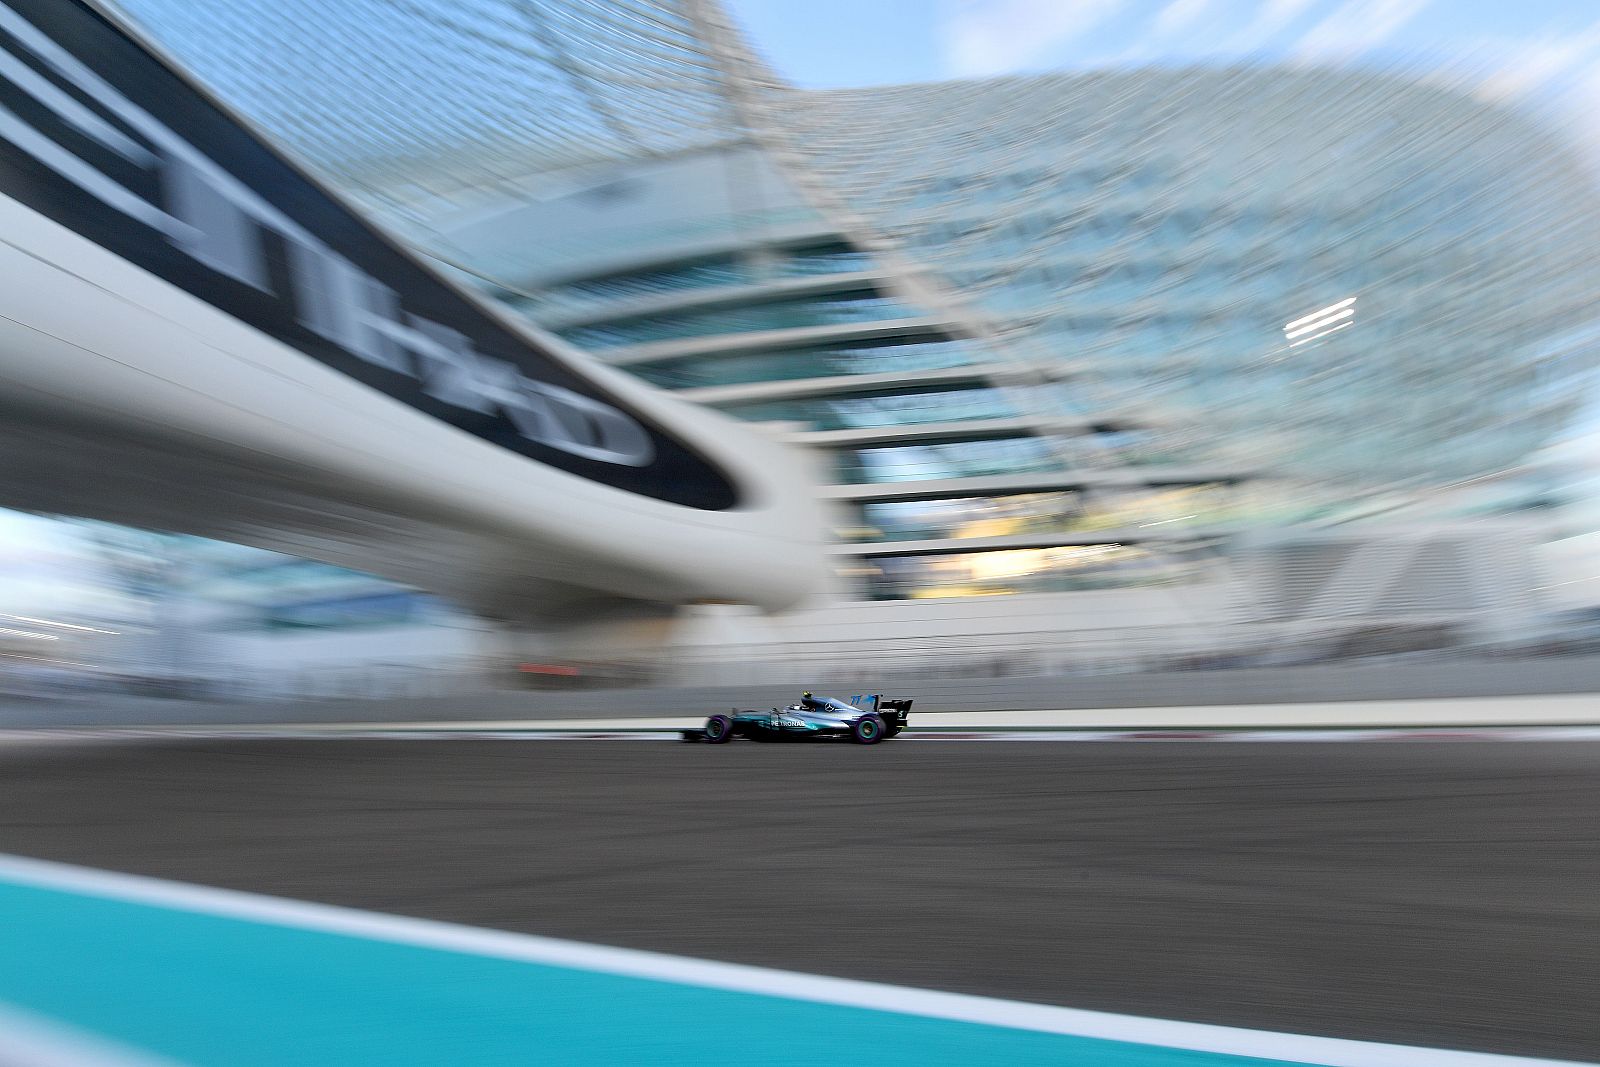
(101, 136)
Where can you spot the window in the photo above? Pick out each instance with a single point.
(964, 459)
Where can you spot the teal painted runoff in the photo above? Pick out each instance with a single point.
(204, 989)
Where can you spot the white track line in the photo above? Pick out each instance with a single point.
(1451, 714)
(26, 1040)
(135, 735)
(1199, 1037)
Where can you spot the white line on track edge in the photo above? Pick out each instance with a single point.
(26, 1040)
(739, 978)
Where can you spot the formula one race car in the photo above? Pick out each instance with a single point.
(866, 720)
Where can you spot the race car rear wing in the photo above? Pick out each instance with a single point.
(880, 705)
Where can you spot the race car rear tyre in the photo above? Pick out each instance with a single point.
(719, 729)
(867, 730)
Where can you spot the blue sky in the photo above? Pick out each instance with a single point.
(828, 43)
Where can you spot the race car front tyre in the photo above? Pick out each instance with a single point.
(719, 729)
(867, 730)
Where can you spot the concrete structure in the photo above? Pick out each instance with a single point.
(196, 336)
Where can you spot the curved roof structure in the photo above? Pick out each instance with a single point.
(405, 103)
(196, 336)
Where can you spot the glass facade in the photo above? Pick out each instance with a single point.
(879, 409)
(833, 309)
(1346, 280)
(797, 364)
(1068, 568)
(720, 272)
(1170, 229)
(255, 591)
(709, 273)
(1065, 512)
(963, 459)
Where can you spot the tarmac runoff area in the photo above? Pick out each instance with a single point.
(1150, 904)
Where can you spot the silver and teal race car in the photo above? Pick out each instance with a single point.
(865, 720)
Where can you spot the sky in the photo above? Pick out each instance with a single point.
(45, 569)
(1512, 46)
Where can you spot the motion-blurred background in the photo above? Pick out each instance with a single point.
(1117, 337)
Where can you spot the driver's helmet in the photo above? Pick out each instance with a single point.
(806, 695)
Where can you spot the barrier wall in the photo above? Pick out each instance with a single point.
(1276, 685)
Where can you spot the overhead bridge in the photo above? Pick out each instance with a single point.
(197, 336)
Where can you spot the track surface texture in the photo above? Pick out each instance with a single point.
(1423, 893)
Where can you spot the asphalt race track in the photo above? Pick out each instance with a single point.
(1437, 894)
